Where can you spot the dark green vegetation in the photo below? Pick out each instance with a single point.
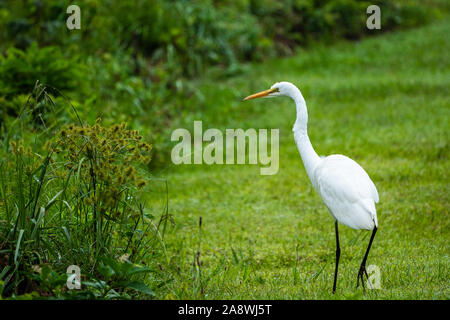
(134, 62)
(72, 189)
(77, 200)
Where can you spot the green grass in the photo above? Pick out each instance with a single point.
(383, 102)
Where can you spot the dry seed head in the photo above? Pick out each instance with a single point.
(141, 184)
(13, 145)
(129, 171)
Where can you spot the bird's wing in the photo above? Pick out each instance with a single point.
(345, 178)
(342, 182)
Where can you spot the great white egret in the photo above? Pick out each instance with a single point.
(344, 186)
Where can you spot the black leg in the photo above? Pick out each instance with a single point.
(338, 254)
(362, 268)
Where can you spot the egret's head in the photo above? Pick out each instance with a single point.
(278, 89)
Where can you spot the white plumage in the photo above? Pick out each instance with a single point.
(347, 191)
(344, 186)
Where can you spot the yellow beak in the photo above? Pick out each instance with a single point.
(261, 94)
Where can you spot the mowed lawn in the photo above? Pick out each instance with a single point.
(385, 103)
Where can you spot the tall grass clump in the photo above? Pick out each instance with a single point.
(76, 200)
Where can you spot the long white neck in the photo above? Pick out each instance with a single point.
(309, 156)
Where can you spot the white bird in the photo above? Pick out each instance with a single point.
(344, 186)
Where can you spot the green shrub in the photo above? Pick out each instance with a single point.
(21, 71)
(76, 200)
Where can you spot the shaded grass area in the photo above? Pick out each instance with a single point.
(383, 102)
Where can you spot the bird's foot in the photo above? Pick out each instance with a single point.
(362, 271)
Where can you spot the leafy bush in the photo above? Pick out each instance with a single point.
(21, 71)
(293, 23)
(76, 200)
(195, 34)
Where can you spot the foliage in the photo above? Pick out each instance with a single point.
(295, 23)
(76, 200)
(141, 55)
(198, 33)
(21, 71)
